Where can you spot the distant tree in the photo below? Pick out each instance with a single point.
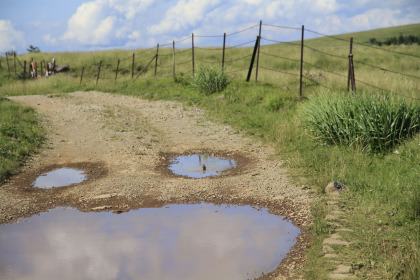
(33, 49)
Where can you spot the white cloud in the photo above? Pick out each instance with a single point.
(185, 14)
(376, 18)
(10, 38)
(49, 40)
(105, 22)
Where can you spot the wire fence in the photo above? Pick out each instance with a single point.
(167, 60)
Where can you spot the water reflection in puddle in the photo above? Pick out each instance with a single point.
(60, 178)
(200, 166)
(199, 241)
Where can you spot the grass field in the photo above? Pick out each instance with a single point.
(384, 189)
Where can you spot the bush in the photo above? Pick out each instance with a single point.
(209, 80)
(375, 124)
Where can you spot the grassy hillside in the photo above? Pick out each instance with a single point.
(384, 189)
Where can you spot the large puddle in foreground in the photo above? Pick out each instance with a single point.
(200, 241)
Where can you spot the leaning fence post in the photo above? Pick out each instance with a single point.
(132, 68)
(7, 59)
(81, 76)
(173, 55)
(301, 60)
(192, 36)
(116, 72)
(251, 65)
(258, 54)
(156, 61)
(99, 71)
(224, 48)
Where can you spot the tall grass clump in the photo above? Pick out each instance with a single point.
(20, 136)
(376, 124)
(209, 80)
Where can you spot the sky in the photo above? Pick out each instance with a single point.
(80, 25)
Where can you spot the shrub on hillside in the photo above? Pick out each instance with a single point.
(376, 124)
(209, 80)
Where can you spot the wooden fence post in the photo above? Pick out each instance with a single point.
(24, 67)
(116, 72)
(224, 48)
(192, 52)
(7, 59)
(258, 54)
(45, 65)
(40, 68)
(252, 59)
(132, 68)
(36, 70)
(99, 71)
(156, 61)
(350, 78)
(301, 60)
(81, 76)
(1, 68)
(173, 55)
(14, 62)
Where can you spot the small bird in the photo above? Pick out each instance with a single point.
(204, 167)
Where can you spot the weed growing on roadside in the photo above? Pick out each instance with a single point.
(209, 80)
(376, 124)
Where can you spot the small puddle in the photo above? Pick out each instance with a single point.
(60, 178)
(200, 241)
(200, 166)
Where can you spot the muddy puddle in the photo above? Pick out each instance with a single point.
(60, 178)
(200, 165)
(200, 241)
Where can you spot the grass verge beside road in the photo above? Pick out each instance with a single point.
(20, 135)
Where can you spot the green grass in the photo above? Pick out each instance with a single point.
(372, 123)
(20, 136)
(383, 197)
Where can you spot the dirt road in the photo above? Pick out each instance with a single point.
(124, 144)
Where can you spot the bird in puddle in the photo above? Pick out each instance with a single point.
(204, 167)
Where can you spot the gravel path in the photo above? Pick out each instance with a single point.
(124, 144)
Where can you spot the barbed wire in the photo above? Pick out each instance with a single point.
(386, 70)
(238, 59)
(209, 36)
(185, 50)
(312, 80)
(182, 40)
(323, 69)
(238, 70)
(279, 71)
(386, 90)
(209, 62)
(284, 27)
(240, 45)
(243, 30)
(280, 42)
(281, 57)
(386, 50)
(333, 55)
(209, 49)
